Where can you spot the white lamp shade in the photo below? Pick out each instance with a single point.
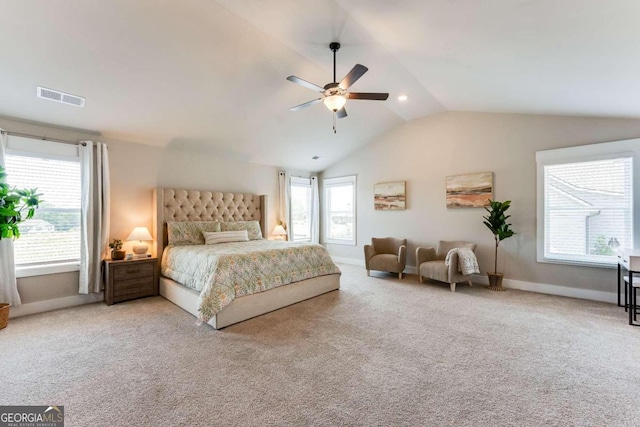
(334, 102)
(279, 231)
(140, 233)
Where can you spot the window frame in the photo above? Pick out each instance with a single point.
(327, 184)
(579, 154)
(306, 183)
(31, 147)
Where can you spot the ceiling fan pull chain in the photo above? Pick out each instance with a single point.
(334, 123)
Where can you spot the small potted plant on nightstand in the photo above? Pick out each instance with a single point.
(116, 250)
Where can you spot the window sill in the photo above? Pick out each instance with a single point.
(339, 242)
(42, 270)
(578, 263)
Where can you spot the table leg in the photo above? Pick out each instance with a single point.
(626, 302)
(632, 306)
(619, 305)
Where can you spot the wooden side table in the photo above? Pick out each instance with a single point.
(130, 279)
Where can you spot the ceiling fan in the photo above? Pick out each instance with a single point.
(335, 95)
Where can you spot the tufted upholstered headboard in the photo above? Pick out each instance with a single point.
(194, 205)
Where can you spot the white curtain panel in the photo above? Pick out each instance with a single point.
(94, 171)
(284, 214)
(315, 211)
(8, 284)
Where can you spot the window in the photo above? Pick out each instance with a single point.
(52, 236)
(340, 210)
(585, 210)
(301, 202)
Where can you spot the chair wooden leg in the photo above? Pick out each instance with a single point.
(400, 275)
(453, 287)
(470, 283)
(421, 280)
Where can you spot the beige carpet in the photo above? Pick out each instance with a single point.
(379, 352)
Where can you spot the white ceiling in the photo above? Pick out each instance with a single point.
(210, 75)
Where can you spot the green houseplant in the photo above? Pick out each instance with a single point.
(496, 221)
(16, 206)
(116, 250)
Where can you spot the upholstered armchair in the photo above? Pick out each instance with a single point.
(431, 263)
(386, 254)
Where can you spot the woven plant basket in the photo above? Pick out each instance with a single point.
(4, 315)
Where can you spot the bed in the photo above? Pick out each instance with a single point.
(179, 205)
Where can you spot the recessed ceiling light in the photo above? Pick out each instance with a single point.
(403, 97)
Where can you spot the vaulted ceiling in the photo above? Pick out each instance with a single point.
(209, 75)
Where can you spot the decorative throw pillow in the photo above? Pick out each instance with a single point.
(225, 237)
(252, 227)
(190, 232)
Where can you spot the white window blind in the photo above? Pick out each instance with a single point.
(53, 234)
(588, 210)
(301, 209)
(340, 210)
(585, 203)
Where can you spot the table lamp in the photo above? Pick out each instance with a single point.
(279, 232)
(140, 234)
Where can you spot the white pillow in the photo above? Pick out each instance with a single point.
(252, 227)
(213, 238)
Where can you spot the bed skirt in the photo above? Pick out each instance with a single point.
(252, 305)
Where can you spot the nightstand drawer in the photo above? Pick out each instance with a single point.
(130, 279)
(133, 271)
(134, 286)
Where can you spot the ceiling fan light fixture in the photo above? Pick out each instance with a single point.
(334, 102)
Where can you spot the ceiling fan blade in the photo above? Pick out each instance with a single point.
(356, 72)
(305, 83)
(341, 113)
(305, 105)
(369, 96)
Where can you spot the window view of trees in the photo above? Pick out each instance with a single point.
(53, 234)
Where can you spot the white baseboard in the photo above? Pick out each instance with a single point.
(360, 263)
(350, 261)
(54, 304)
(541, 288)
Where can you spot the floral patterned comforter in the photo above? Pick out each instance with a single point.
(225, 271)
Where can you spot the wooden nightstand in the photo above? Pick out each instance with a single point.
(130, 279)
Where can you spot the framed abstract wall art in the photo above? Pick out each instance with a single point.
(389, 196)
(469, 191)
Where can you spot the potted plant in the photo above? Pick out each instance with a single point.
(13, 204)
(16, 206)
(496, 221)
(116, 250)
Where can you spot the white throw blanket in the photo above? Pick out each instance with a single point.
(467, 261)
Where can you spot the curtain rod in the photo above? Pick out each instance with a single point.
(43, 138)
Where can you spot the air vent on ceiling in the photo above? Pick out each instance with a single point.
(56, 95)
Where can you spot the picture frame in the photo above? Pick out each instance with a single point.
(469, 190)
(390, 196)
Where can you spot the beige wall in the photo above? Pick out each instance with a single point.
(425, 151)
(135, 170)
